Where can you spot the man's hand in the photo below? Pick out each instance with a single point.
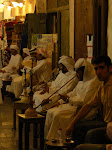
(46, 89)
(45, 101)
(55, 105)
(64, 97)
(3, 71)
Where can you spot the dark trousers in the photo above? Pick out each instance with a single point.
(91, 147)
(81, 129)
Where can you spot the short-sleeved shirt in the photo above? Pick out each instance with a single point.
(104, 96)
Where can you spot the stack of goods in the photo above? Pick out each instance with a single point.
(16, 35)
(7, 56)
(9, 29)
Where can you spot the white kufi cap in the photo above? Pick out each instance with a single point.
(26, 51)
(15, 47)
(42, 51)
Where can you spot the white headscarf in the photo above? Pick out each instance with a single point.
(68, 62)
(42, 51)
(26, 51)
(89, 72)
(15, 47)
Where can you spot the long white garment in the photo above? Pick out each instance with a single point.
(60, 117)
(58, 83)
(61, 79)
(42, 70)
(16, 85)
(12, 67)
(14, 62)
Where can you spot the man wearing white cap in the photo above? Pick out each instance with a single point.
(42, 71)
(14, 62)
(12, 68)
(16, 86)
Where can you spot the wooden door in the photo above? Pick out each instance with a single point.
(83, 26)
(65, 32)
(100, 27)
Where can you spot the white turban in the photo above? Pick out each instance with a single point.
(15, 47)
(26, 51)
(42, 51)
(89, 71)
(68, 62)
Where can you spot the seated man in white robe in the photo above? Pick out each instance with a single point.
(66, 64)
(11, 70)
(59, 117)
(16, 86)
(42, 72)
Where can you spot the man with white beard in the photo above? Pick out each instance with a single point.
(66, 65)
(61, 116)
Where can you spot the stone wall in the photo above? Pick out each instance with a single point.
(41, 6)
(109, 29)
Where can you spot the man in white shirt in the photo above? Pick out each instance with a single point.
(14, 63)
(42, 71)
(11, 70)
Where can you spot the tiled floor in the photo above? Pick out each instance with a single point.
(8, 137)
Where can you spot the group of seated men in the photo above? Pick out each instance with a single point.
(78, 94)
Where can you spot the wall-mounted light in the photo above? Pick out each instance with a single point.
(2, 5)
(20, 4)
(9, 7)
(15, 4)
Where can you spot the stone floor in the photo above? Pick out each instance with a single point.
(8, 137)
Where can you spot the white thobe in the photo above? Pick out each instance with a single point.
(42, 71)
(60, 117)
(13, 63)
(16, 85)
(61, 80)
